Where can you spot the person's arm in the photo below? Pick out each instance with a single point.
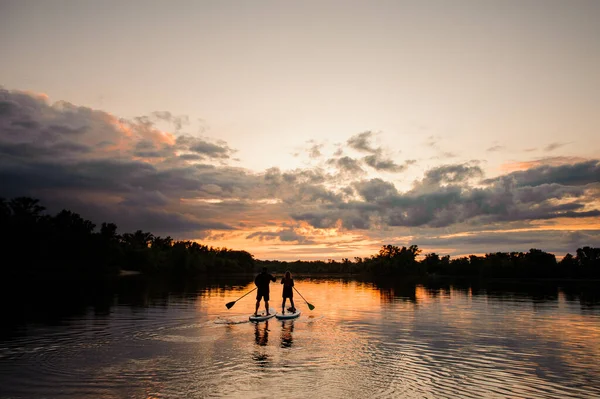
(292, 282)
(282, 280)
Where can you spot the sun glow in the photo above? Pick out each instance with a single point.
(283, 241)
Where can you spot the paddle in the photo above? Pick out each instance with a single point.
(311, 307)
(230, 304)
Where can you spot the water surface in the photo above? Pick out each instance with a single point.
(381, 340)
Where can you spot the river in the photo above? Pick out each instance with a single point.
(142, 339)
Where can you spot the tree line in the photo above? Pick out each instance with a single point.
(393, 260)
(35, 244)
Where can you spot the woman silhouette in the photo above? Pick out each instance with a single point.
(288, 283)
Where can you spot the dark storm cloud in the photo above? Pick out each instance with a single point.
(71, 147)
(576, 174)
(83, 158)
(25, 150)
(446, 196)
(148, 149)
(190, 157)
(66, 130)
(107, 176)
(538, 194)
(130, 216)
(110, 169)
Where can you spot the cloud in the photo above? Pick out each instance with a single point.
(495, 148)
(284, 235)
(130, 172)
(378, 163)
(432, 141)
(177, 121)
(580, 173)
(315, 150)
(374, 189)
(109, 167)
(547, 161)
(554, 146)
(452, 194)
(376, 159)
(456, 173)
(362, 142)
(347, 165)
(203, 147)
(446, 155)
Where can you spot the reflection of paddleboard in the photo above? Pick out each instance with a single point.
(288, 315)
(262, 316)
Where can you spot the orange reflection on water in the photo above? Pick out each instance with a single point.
(331, 297)
(408, 332)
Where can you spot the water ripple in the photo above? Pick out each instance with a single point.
(449, 347)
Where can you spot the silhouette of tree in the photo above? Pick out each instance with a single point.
(68, 246)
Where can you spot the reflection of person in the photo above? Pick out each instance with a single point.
(288, 283)
(262, 281)
(287, 328)
(261, 336)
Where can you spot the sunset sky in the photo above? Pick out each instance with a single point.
(309, 129)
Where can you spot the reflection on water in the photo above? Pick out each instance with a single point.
(432, 339)
(287, 328)
(261, 333)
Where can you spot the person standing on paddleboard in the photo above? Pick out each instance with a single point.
(262, 281)
(288, 284)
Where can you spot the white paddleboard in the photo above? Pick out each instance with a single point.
(262, 316)
(288, 315)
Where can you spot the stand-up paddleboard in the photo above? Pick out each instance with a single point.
(262, 316)
(288, 315)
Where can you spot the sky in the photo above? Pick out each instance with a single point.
(309, 130)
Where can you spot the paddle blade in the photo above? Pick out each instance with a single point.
(310, 306)
(230, 304)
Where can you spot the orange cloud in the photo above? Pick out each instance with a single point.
(552, 161)
(321, 244)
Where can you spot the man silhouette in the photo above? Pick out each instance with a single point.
(262, 281)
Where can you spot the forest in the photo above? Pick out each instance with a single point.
(67, 246)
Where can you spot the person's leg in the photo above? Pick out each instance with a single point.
(266, 298)
(257, 305)
(283, 306)
(292, 303)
